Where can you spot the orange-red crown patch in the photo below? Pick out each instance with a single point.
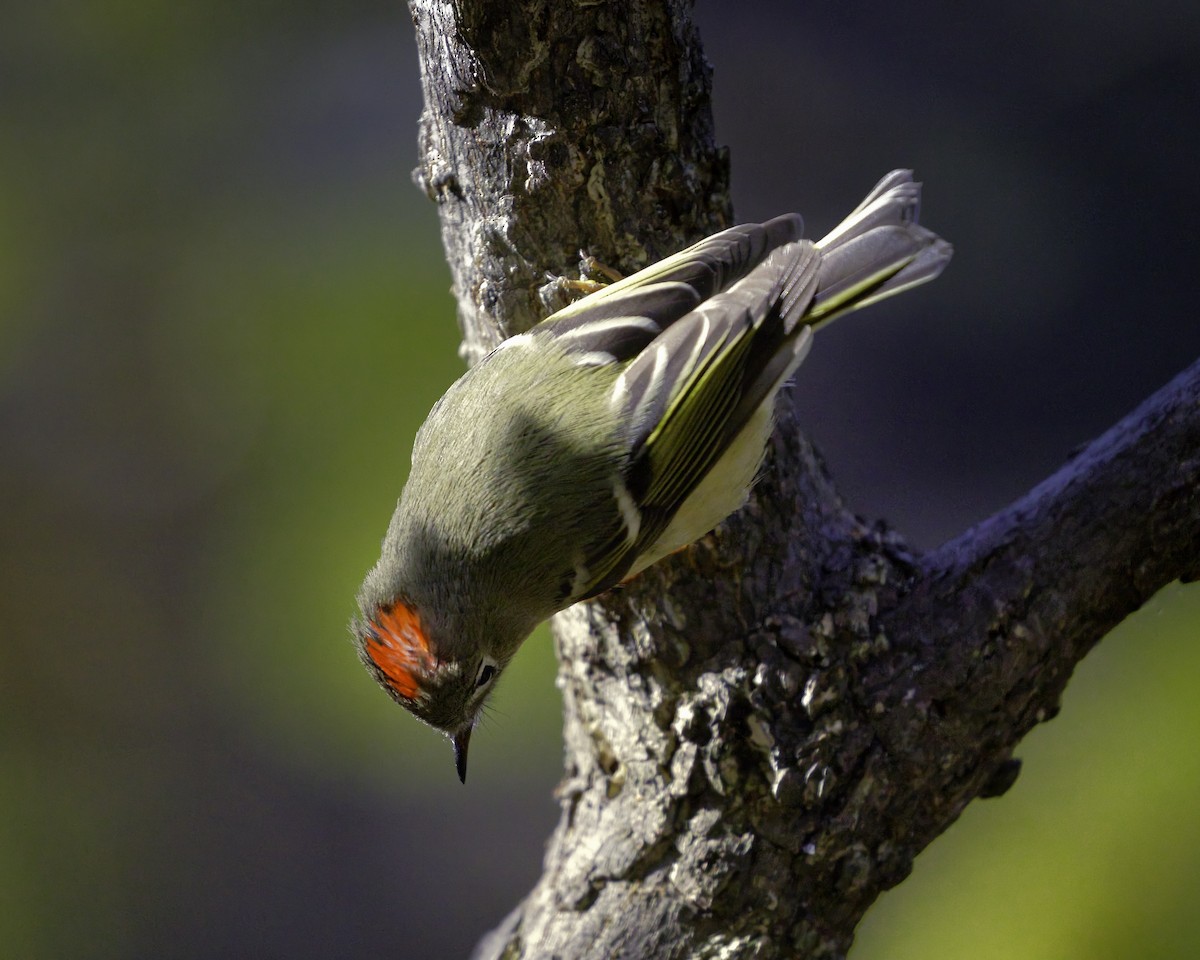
(399, 647)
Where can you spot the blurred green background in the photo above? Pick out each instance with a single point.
(224, 312)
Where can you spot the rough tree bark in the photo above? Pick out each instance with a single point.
(763, 731)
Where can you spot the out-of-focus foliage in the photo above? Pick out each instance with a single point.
(223, 314)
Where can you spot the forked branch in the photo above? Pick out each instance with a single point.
(762, 732)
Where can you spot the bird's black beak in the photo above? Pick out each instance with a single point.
(462, 740)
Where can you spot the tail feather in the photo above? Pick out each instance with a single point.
(877, 251)
(925, 266)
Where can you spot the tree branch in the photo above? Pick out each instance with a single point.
(550, 126)
(761, 732)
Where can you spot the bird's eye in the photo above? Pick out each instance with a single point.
(487, 672)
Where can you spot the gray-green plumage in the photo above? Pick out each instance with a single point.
(621, 428)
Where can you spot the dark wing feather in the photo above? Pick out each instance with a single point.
(619, 321)
(622, 325)
(698, 369)
(690, 392)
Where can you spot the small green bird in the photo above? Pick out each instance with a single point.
(613, 433)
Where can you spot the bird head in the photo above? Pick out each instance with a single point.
(400, 648)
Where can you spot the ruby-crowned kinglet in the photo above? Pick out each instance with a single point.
(615, 432)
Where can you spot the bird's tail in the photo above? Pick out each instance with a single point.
(877, 251)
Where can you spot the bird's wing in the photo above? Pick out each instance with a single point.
(688, 394)
(619, 321)
(687, 391)
(680, 394)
